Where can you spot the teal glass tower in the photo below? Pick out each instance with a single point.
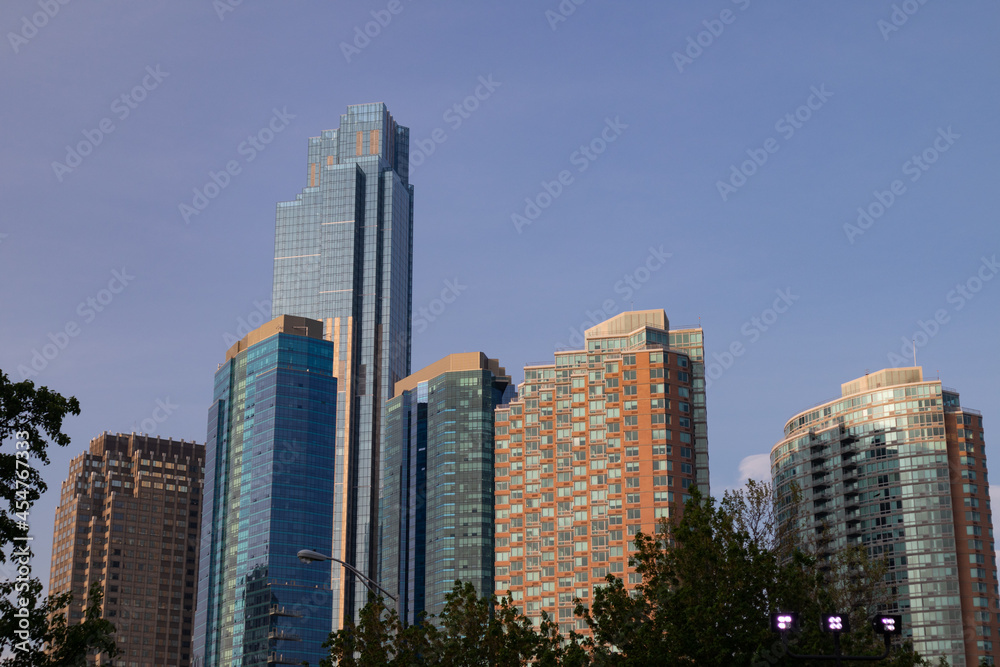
(436, 520)
(344, 255)
(268, 493)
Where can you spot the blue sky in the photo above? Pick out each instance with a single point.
(739, 138)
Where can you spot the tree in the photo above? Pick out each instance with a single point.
(480, 631)
(710, 578)
(45, 639)
(470, 632)
(31, 417)
(709, 582)
(703, 599)
(379, 639)
(36, 633)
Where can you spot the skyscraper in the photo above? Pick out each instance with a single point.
(128, 519)
(898, 466)
(598, 446)
(268, 494)
(343, 254)
(436, 520)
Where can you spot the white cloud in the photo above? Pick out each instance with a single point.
(755, 466)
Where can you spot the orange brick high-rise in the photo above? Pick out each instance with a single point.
(597, 447)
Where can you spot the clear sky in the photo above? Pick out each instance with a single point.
(727, 144)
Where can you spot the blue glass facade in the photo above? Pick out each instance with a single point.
(268, 493)
(436, 520)
(344, 255)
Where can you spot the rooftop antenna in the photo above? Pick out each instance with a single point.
(914, 342)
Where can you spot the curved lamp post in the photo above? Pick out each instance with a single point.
(310, 556)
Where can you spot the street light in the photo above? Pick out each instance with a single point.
(837, 624)
(888, 625)
(309, 556)
(784, 621)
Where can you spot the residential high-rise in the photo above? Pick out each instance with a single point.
(436, 519)
(343, 254)
(598, 446)
(898, 466)
(129, 519)
(268, 493)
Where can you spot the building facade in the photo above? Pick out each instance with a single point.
(898, 466)
(129, 520)
(598, 446)
(268, 493)
(344, 256)
(436, 519)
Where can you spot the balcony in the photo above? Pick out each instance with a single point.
(846, 438)
(276, 610)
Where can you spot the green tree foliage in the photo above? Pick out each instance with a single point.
(710, 579)
(33, 416)
(45, 639)
(34, 632)
(470, 632)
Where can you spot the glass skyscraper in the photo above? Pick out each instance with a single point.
(897, 465)
(436, 520)
(344, 255)
(268, 493)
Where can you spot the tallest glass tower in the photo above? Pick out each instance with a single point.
(343, 254)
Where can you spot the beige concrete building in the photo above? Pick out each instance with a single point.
(129, 519)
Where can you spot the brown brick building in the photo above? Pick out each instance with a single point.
(598, 446)
(129, 518)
